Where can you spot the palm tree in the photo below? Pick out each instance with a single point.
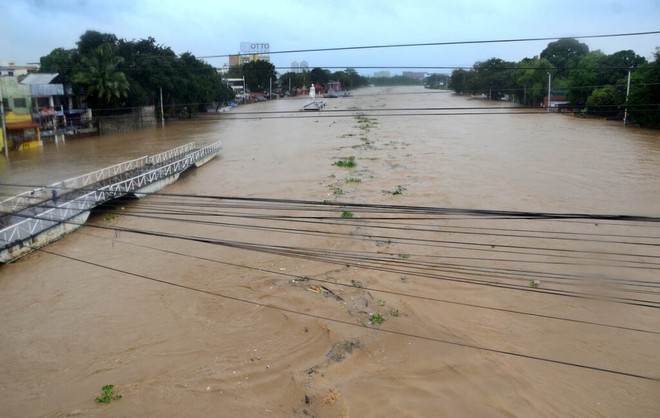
(101, 77)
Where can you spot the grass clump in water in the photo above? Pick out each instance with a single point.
(108, 394)
(348, 162)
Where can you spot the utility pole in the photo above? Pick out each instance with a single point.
(162, 115)
(5, 141)
(270, 91)
(549, 89)
(625, 113)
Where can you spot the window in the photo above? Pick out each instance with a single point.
(21, 102)
(5, 103)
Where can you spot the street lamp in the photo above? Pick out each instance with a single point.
(549, 89)
(625, 113)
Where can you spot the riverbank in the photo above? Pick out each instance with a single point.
(279, 308)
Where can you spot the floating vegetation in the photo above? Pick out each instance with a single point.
(348, 162)
(108, 394)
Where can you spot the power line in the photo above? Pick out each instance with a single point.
(353, 324)
(428, 298)
(446, 43)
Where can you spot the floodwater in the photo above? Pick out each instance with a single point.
(196, 306)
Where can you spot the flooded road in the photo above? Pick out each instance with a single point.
(370, 298)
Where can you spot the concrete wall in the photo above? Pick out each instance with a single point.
(144, 117)
(11, 90)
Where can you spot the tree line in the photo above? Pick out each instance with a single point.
(117, 73)
(592, 81)
(258, 75)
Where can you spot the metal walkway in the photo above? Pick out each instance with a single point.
(35, 218)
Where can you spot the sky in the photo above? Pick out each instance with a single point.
(33, 28)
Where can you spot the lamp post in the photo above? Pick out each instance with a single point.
(625, 113)
(549, 90)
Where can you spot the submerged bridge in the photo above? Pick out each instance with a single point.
(38, 217)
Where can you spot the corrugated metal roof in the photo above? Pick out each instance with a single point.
(39, 78)
(44, 90)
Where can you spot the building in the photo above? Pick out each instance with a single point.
(557, 99)
(22, 131)
(382, 74)
(48, 101)
(414, 75)
(295, 67)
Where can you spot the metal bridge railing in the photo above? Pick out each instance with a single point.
(168, 155)
(66, 210)
(42, 194)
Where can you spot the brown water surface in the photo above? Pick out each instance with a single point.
(242, 320)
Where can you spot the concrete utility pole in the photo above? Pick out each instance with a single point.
(5, 141)
(162, 115)
(625, 113)
(549, 89)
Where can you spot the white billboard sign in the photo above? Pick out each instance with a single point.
(261, 48)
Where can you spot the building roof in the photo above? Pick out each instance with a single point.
(39, 78)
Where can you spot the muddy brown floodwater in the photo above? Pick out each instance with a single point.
(192, 305)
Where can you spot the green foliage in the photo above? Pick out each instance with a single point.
(605, 101)
(118, 72)
(108, 394)
(346, 214)
(595, 81)
(357, 283)
(353, 180)
(62, 61)
(531, 79)
(460, 79)
(319, 76)
(564, 54)
(348, 162)
(376, 319)
(104, 82)
(258, 75)
(644, 98)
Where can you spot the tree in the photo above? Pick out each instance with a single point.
(493, 77)
(564, 54)
(589, 74)
(198, 84)
(258, 74)
(320, 76)
(459, 80)
(91, 40)
(645, 93)
(293, 80)
(531, 79)
(105, 84)
(149, 67)
(62, 61)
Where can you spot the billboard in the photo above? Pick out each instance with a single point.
(261, 48)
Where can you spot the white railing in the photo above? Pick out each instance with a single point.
(42, 194)
(168, 155)
(43, 217)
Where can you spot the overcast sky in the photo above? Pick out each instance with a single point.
(33, 28)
